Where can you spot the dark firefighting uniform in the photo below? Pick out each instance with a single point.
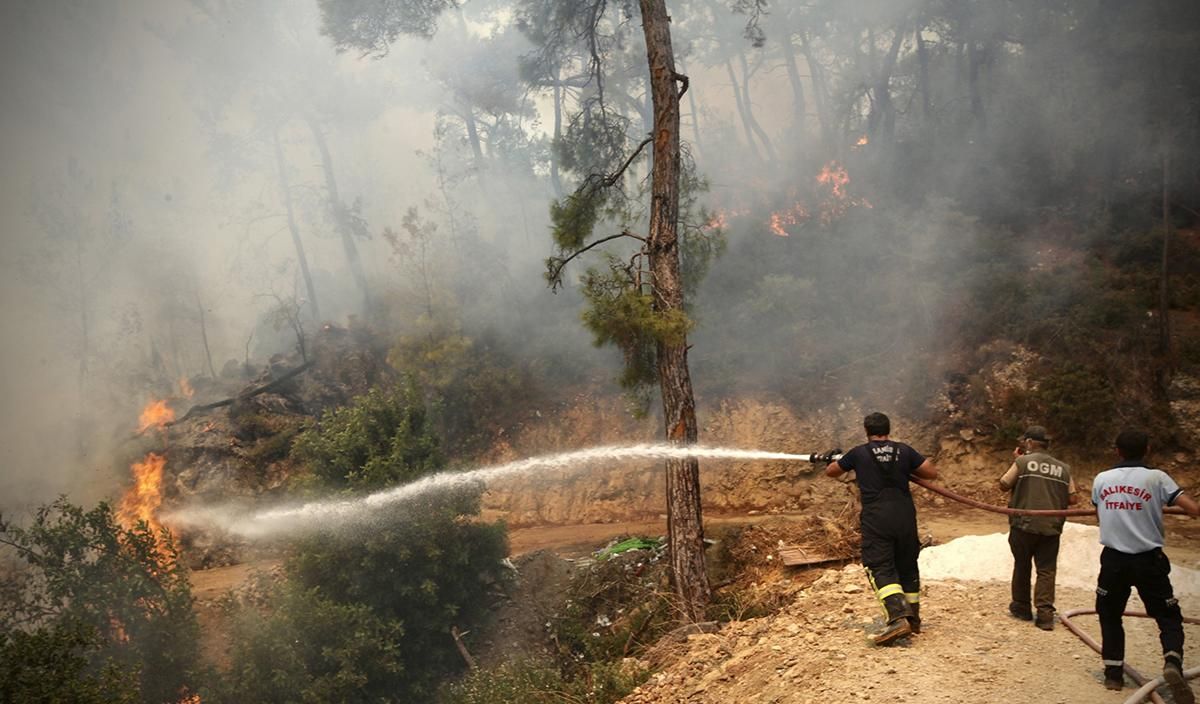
(890, 543)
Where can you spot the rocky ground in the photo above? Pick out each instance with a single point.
(816, 648)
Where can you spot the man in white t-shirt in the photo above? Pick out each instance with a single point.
(1129, 501)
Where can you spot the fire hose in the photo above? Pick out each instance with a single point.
(1147, 685)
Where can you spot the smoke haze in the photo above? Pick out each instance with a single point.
(148, 147)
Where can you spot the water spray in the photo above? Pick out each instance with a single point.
(326, 513)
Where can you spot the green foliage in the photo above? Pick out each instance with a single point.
(53, 664)
(97, 607)
(308, 648)
(621, 315)
(574, 217)
(1079, 401)
(472, 385)
(381, 439)
(534, 683)
(366, 611)
(371, 26)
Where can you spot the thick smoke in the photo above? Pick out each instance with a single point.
(871, 164)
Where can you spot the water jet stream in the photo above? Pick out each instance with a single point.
(270, 522)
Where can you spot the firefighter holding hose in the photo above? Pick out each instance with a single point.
(1037, 480)
(1129, 501)
(890, 543)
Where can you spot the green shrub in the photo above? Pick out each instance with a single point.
(308, 648)
(1079, 402)
(96, 609)
(473, 386)
(53, 664)
(383, 438)
(534, 683)
(367, 607)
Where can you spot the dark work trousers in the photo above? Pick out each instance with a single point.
(1148, 571)
(890, 544)
(1042, 551)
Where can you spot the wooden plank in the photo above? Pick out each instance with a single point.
(798, 555)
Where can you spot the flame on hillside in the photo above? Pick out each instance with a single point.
(142, 500)
(782, 219)
(862, 141)
(719, 219)
(835, 177)
(156, 414)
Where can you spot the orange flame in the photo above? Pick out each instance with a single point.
(142, 500)
(717, 221)
(782, 219)
(862, 141)
(185, 387)
(155, 414)
(834, 176)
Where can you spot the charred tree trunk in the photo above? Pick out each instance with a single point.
(338, 210)
(1164, 285)
(685, 529)
(85, 344)
(881, 121)
(793, 72)
(741, 108)
(468, 116)
(975, 59)
(923, 77)
(820, 91)
(555, 178)
(212, 372)
(758, 130)
(286, 193)
(695, 114)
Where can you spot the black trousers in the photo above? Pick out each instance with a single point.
(1042, 551)
(890, 544)
(1149, 572)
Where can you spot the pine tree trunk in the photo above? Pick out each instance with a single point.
(204, 334)
(758, 130)
(793, 72)
(684, 525)
(741, 108)
(301, 257)
(923, 77)
(339, 213)
(694, 114)
(555, 178)
(820, 91)
(1164, 282)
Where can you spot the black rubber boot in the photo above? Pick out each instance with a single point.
(1021, 611)
(1114, 677)
(897, 614)
(914, 621)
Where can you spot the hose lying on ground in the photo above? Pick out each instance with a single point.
(1148, 686)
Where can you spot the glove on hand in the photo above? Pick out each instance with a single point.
(825, 457)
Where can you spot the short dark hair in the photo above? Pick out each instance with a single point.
(877, 424)
(1133, 444)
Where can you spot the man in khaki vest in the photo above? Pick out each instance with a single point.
(1037, 481)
